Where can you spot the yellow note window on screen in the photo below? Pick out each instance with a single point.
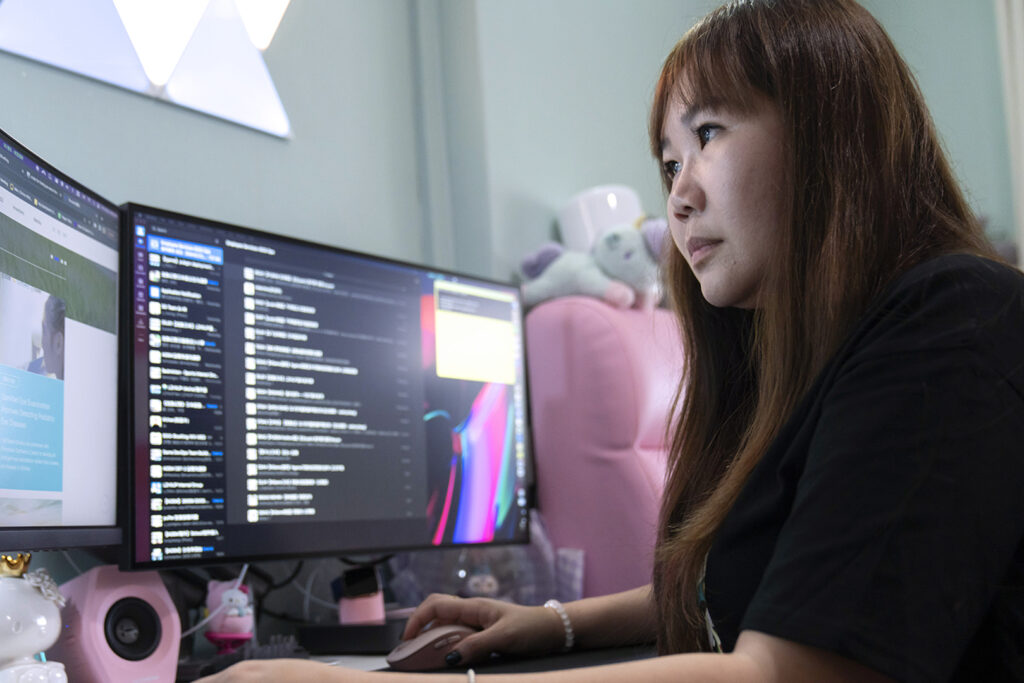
(476, 339)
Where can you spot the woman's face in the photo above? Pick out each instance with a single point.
(726, 208)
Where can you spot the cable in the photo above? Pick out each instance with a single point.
(67, 556)
(308, 592)
(241, 575)
(283, 582)
(310, 598)
(258, 601)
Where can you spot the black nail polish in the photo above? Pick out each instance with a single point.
(453, 657)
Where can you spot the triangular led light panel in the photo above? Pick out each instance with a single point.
(261, 19)
(223, 74)
(84, 36)
(160, 30)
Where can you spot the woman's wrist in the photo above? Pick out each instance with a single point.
(569, 634)
(548, 633)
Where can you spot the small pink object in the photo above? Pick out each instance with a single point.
(232, 622)
(226, 643)
(362, 609)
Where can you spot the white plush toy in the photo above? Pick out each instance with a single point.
(29, 623)
(621, 267)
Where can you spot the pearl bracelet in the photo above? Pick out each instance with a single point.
(570, 636)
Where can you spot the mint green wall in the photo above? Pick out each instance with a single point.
(951, 46)
(565, 90)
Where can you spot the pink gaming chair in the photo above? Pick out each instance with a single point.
(601, 381)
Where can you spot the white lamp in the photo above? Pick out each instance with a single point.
(588, 214)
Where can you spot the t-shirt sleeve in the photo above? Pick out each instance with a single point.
(910, 506)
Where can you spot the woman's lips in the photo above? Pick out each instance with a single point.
(699, 247)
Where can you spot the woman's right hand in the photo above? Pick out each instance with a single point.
(505, 628)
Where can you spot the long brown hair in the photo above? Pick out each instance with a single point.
(871, 195)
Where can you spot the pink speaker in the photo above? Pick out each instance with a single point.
(118, 626)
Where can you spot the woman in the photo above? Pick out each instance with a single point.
(844, 494)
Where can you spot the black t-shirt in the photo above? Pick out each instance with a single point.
(886, 522)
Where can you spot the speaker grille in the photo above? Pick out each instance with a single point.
(132, 628)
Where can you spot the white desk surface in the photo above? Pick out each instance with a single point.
(361, 662)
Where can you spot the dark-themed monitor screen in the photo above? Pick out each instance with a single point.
(292, 399)
(58, 358)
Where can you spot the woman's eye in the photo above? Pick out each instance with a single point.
(671, 169)
(706, 132)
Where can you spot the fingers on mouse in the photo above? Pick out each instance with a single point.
(429, 649)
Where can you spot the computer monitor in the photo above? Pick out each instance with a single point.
(58, 358)
(292, 399)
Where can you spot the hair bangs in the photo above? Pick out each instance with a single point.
(716, 70)
(713, 68)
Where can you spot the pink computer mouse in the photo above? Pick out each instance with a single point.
(427, 650)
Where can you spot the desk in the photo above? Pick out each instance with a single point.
(569, 660)
(189, 671)
(361, 662)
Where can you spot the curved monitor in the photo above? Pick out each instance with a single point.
(58, 358)
(292, 399)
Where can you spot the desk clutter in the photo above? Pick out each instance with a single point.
(278, 647)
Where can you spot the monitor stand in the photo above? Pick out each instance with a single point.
(351, 639)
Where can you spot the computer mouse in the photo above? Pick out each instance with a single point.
(427, 650)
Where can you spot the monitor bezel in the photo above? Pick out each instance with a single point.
(67, 537)
(127, 558)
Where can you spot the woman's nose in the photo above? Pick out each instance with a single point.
(687, 196)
